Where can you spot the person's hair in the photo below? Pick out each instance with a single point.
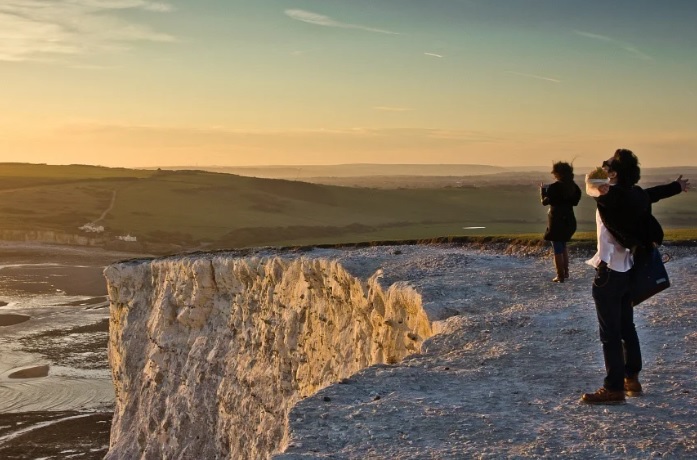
(563, 171)
(626, 165)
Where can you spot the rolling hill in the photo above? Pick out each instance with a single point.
(201, 209)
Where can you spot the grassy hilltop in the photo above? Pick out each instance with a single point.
(200, 209)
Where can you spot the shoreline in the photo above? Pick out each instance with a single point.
(18, 252)
(48, 434)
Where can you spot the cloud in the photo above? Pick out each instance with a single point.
(321, 20)
(625, 46)
(594, 36)
(157, 145)
(172, 134)
(124, 4)
(45, 30)
(538, 77)
(434, 55)
(637, 53)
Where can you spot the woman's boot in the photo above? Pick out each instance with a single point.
(559, 266)
(566, 263)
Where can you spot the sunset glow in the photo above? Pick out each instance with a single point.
(141, 83)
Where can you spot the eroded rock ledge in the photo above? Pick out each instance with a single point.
(209, 352)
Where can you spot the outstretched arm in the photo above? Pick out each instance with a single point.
(660, 192)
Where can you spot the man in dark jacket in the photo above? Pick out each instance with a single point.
(625, 225)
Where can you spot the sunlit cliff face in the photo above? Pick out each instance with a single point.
(210, 352)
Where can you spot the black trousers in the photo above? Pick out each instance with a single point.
(618, 334)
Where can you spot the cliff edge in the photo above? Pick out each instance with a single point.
(209, 352)
(425, 351)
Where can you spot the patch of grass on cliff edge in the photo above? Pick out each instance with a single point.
(681, 236)
(581, 240)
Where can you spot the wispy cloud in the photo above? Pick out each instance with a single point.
(43, 30)
(152, 145)
(434, 55)
(594, 36)
(119, 130)
(637, 53)
(538, 77)
(326, 21)
(625, 46)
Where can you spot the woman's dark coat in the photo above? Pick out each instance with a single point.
(561, 197)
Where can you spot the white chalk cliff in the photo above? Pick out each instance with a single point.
(210, 352)
(230, 356)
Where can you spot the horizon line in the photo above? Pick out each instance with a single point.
(280, 165)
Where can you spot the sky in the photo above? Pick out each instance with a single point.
(141, 83)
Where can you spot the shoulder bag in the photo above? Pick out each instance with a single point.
(649, 275)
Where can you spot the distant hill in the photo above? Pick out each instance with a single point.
(352, 170)
(424, 176)
(172, 210)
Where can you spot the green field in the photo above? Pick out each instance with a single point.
(198, 209)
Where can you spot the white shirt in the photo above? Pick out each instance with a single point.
(616, 256)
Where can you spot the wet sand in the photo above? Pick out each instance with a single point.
(66, 434)
(11, 319)
(12, 252)
(55, 387)
(52, 278)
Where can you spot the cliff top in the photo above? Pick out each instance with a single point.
(504, 376)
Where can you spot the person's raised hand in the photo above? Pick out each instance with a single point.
(684, 183)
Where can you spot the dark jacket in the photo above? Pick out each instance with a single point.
(626, 213)
(561, 197)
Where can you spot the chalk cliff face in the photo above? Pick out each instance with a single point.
(209, 352)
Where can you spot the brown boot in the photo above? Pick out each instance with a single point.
(632, 387)
(566, 263)
(604, 396)
(559, 266)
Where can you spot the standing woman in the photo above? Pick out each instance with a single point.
(561, 196)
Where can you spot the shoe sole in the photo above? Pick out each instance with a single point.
(603, 403)
(634, 394)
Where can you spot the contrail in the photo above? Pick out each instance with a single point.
(528, 75)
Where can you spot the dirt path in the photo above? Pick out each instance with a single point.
(108, 209)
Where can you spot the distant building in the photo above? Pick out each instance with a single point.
(127, 238)
(90, 227)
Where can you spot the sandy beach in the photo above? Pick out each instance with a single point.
(56, 394)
